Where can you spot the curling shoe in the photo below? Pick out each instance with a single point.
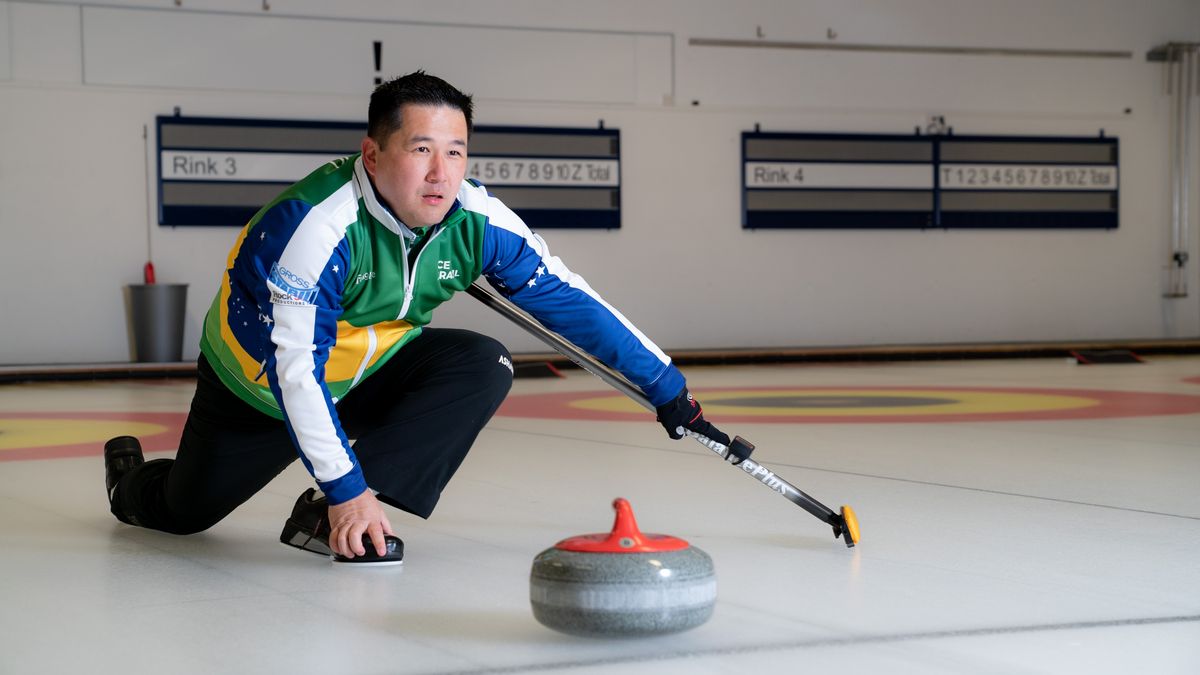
(121, 455)
(308, 529)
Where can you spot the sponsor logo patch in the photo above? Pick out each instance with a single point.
(447, 272)
(288, 288)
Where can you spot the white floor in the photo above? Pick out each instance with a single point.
(987, 547)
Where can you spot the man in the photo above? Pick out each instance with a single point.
(317, 335)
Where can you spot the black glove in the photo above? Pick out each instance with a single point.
(684, 412)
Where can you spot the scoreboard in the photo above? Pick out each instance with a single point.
(220, 171)
(799, 180)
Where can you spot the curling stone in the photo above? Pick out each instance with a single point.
(622, 584)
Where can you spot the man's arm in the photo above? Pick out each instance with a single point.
(303, 260)
(518, 263)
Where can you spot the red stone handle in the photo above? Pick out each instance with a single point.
(624, 538)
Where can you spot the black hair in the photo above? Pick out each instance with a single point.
(419, 88)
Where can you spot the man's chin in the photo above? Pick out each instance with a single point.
(425, 218)
(435, 217)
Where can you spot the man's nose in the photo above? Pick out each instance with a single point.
(437, 169)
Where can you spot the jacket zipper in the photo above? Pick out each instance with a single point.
(411, 275)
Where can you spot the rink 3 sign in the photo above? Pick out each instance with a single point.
(220, 171)
(797, 180)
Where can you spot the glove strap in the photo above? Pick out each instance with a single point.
(738, 450)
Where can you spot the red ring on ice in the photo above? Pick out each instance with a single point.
(1103, 404)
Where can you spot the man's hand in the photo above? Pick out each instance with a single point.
(350, 520)
(683, 412)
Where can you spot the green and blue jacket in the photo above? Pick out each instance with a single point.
(324, 285)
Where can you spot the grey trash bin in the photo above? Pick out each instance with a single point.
(157, 311)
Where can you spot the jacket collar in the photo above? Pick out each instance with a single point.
(381, 212)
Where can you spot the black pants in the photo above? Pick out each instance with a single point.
(413, 420)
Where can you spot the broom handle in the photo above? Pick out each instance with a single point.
(590, 364)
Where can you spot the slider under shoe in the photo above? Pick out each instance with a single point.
(308, 530)
(393, 555)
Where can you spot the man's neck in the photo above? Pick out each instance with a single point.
(418, 232)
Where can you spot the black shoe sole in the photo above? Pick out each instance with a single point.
(298, 537)
(121, 455)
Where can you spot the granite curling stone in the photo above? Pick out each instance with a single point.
(622, 584)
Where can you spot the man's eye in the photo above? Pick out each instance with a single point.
(456, 153)
(422, 148)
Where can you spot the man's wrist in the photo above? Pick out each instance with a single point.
(341, 490)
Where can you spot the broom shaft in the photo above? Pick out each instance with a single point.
(592, 365)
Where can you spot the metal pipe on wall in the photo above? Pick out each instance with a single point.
(1173, 86)
(1183, 68)
(1187, 151)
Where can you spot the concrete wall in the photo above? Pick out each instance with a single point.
(79, 81)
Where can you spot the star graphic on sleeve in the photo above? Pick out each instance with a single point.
(335, 269)
(532, 282)
(541, 270)
(262, 236)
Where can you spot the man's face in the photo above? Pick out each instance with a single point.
(418, 170)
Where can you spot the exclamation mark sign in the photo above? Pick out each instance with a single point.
(378, 61)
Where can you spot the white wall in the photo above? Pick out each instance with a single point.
(78, 81)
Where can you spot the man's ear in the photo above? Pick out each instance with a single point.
(370, 152)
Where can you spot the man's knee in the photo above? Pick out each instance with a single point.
(193, 524)
(497, 365)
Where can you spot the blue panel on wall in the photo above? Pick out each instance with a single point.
(220, 171)
(846, 181)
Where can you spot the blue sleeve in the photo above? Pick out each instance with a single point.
(302, 270)
(518, 264)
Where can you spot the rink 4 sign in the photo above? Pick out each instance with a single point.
(801, 180)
